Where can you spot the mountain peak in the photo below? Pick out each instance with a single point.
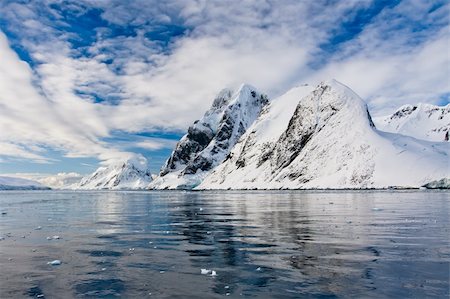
(131, 173)
(209, 140)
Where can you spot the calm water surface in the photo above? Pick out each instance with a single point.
(376, 244)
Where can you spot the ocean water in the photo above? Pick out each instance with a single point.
(369, 244)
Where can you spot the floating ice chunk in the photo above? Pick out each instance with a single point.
(131, 249)
(201, 209)
(205, 271)
(258, 269)
(54, 263)
(377, 209)
(226, 287)
(213, 273)
(40, 296)
(49, 238)
(162, 271)
(103, 269)
(38, 228)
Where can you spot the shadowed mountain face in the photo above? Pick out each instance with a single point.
(210, 139)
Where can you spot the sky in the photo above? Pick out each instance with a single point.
(88, 82)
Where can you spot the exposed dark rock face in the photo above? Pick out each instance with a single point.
(301, 127)
(194, 142)
(440, 184)
(209, 140)
(198, 136)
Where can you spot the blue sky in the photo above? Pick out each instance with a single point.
(91, 81)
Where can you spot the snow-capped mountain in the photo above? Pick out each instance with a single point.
(327, 141)
(13, 183)
(210, 139)
(130, 174)
(422, 121)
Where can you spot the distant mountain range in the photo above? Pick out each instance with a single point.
(320, 137)
(422, 121)
(13, 183)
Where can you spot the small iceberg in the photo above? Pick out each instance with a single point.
(54, 263)
(208, 271)
(205, 271)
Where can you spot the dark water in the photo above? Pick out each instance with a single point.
(261, 244)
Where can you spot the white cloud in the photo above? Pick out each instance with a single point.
(58, 181)
(30, 120)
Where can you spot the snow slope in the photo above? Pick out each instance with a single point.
(13, 183)
(329, 141)
(130, 174)
(210, 139)
(422, 121)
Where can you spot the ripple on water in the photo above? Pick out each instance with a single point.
(261, 244)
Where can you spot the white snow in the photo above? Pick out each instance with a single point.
(329, 142)
(422, 121)
(130, 174)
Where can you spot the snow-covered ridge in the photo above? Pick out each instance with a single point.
(130, 174)
(210, 139)
(422, 121)
(13, 183)
(329, 141)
